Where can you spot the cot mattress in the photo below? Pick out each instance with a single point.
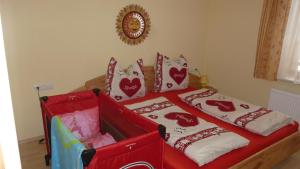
(175, 159)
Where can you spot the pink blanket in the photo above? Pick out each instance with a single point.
(99, 140)
(84, 125)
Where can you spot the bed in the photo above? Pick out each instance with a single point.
(262, 152)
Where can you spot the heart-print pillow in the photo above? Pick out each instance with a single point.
(170, 74)
(121, 85)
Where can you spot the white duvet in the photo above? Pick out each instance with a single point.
(245, 115)
(198, 139)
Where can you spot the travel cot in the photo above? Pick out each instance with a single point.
(141, 146)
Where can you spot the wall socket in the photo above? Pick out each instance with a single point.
(43, 87)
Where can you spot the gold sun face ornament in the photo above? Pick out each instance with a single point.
(133, 24)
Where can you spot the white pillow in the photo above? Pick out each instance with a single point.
(170, 74)
(121, 85)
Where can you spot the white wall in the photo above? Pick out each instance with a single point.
(9, 150)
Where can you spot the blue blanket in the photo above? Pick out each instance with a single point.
(66, 149)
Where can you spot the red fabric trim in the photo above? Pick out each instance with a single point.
(158, 73)
(242, 121)
(189, 99)
(110, 74)
(141, 65)
(182, 143)
(153, 107)
(67, 103)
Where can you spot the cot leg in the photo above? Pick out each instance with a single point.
(87, 156)
(47, 159)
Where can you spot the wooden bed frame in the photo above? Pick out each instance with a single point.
(264, 159)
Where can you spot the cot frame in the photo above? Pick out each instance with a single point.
(88, 154)
(266, 158)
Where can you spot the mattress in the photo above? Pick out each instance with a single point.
(175, 159)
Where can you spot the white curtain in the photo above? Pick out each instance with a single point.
(289, 67)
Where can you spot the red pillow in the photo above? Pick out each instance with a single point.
(122, 85)
(170, 74)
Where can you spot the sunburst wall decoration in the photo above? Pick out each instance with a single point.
(133, 24)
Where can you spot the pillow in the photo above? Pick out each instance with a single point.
(122, 85)
(84, 124)
(170, 74)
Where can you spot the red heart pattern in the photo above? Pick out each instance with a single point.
(169, 85)
(118, 97)
(225, 106)
(198, 106)
(153, 116)
(245, 106)
(178, 76)
(135, 73)
(183, 119)
(130, 87)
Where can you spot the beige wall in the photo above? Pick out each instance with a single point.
(68, 42)
(231, 47)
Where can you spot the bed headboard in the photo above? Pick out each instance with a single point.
(99, 82)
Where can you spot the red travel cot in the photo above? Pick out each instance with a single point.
(139, 142)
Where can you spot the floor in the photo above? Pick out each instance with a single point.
(32, 157)
(291, 163)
